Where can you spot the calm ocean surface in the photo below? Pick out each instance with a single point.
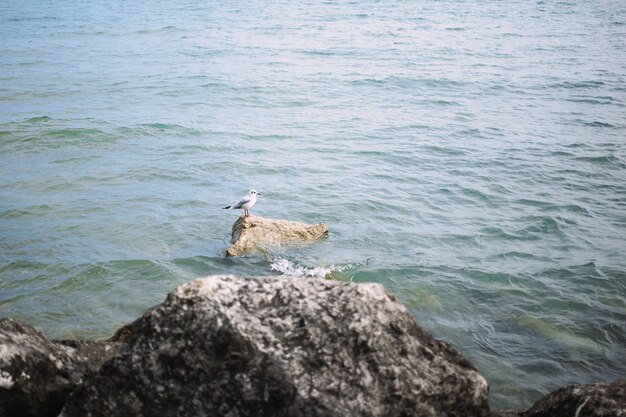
(468, 155)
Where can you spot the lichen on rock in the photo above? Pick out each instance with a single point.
(256, 233)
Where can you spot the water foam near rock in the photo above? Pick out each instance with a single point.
(292, 268)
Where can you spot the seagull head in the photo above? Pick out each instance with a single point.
(254, 193)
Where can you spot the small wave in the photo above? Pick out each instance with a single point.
(439, 150)
(74, 136)
(542, 225)
(579, 84)
(592, 100)
(441, 103)
(477, 195)
(368, 81)
(39, 119)
(577, 145)
(561, 153)
(605, 159)
(398, 82)
(157, 30)
(498, 233)
(73, 160)
(514, 254)
(80, 133)
(318, 52)
(25, 212)
(156, 129)
(533, 203)
(596, 123)
(575, 208)
(31, 18)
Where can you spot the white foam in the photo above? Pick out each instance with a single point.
(292, 269)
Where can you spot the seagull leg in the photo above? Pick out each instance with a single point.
(245, 213)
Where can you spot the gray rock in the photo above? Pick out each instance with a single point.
(590, 400)
(255, 233)
(225, 346)
(36, 374)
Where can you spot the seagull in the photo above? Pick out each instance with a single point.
(245, 203)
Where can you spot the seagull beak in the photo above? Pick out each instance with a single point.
(258, 194)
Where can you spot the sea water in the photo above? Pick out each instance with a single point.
(468, 155)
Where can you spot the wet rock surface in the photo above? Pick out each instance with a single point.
(589, 400)
(255, 233)
(225, 346)
(36, 374)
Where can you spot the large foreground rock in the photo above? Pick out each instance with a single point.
(225, 346)
(36, 374)
(255, 232)
(590, 400)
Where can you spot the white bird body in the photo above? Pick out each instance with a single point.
(245, 203)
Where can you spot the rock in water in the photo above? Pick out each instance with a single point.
(590, 400)
(36, 374)
(255, 232)
(225, 346)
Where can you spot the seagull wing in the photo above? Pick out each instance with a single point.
(241, 203)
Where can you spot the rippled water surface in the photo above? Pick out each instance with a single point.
(468, 155)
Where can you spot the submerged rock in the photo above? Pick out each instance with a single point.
(255, 232)
(225, 346)
(36, 374)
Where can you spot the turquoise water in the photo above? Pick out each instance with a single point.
(468, 155)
